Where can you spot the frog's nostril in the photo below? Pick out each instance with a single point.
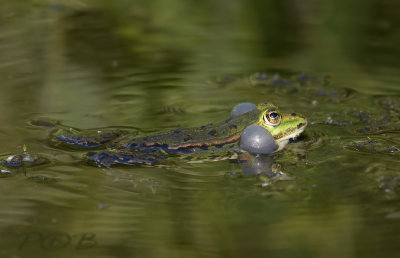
(300, 125)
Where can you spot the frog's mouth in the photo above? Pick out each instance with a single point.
(285, 140)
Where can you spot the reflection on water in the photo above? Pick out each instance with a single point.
(166, 64)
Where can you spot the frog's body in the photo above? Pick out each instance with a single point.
(212, 141)
(113, 146)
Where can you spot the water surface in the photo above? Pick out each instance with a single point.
(166, 64)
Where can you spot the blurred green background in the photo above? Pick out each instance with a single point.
(161, 64)
(55, 51)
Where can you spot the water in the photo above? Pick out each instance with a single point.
(166, 64)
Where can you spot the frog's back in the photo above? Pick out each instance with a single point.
(187, 140)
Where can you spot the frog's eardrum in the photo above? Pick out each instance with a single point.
(257, 140)
(242, 108)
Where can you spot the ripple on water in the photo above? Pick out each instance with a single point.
(385, 144)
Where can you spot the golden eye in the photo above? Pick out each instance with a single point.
(272, 118)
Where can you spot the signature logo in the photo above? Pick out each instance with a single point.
(57, 240)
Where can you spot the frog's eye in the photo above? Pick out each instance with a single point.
(272, 118)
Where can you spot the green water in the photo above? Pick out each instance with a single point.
(157, 65)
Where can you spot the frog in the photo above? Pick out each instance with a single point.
(122, 146)
(106, 147)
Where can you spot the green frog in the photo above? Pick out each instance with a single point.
(114, 146)
(208, 142)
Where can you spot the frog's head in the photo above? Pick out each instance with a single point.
(281, 126)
